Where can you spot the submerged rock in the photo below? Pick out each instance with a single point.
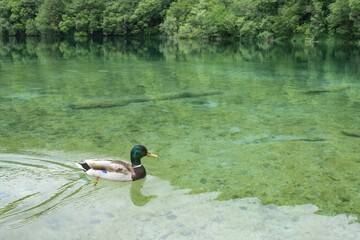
(351, 133)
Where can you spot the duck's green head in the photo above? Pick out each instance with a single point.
(138, 152)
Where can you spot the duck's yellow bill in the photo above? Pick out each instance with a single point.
(149, 154)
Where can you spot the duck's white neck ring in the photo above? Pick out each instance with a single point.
(137, 166)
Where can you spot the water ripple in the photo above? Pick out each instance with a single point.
(46, 198)
(34, 186)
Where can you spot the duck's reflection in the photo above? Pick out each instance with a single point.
(136, 195)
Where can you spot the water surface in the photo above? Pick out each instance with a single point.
(276, 123)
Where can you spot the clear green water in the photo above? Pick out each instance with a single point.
(279, 123)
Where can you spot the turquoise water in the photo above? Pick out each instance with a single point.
(278, 123)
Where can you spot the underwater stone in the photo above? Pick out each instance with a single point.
(234, 130)
(203, 181)
(351, 134)
(171, 217)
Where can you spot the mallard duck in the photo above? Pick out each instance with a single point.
(118, 170)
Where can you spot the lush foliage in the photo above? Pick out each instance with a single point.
(264, 19)
(246, 19)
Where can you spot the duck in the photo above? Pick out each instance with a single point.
(118, 170)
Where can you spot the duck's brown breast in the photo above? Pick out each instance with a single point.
(140, 172)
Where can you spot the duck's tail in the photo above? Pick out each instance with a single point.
(83, 166)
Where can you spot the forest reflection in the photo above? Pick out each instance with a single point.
(30, 49)
(312, 67)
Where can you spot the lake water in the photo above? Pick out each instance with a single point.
(254, 141)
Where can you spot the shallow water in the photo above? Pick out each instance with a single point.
(275, 123)
(70, 207)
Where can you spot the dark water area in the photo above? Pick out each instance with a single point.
(275, 122)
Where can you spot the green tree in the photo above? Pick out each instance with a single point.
(83, 17)
(355, 17)
(250, 19)
(245, 19)
(340, 24)
(116, 17)
(211, 19)
(291, 19)
(148, 16)
(317, 24)
(17, 16)
(200, 19)
(49, 17)
(5, 12)
(176, 16)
